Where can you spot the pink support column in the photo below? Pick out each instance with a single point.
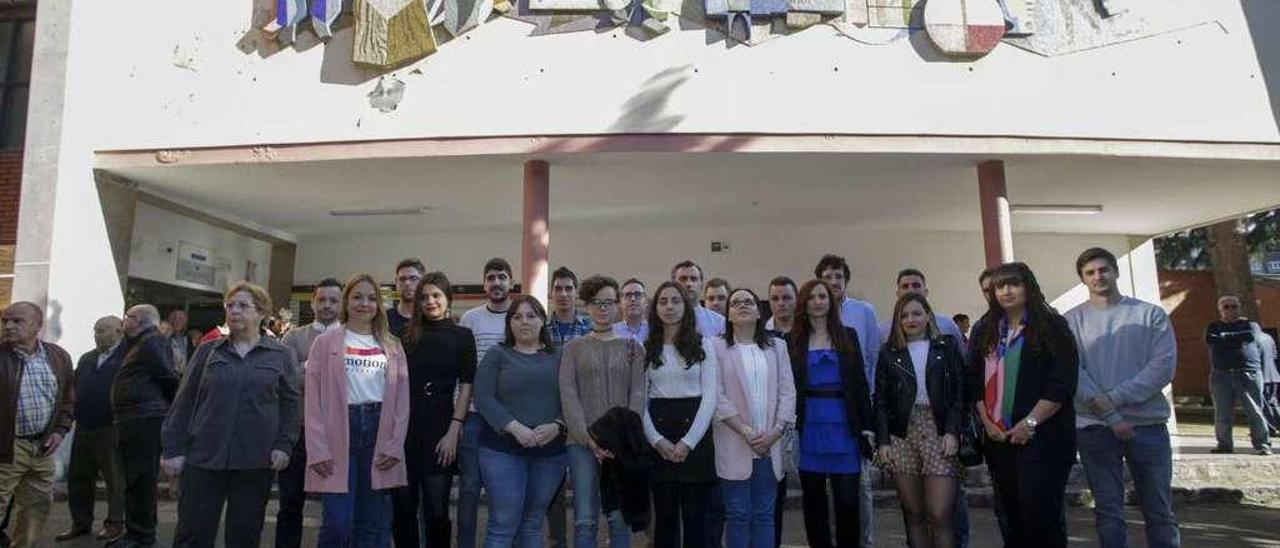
(537, 230)
(997, 231)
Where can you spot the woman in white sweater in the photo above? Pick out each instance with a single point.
(681, 369)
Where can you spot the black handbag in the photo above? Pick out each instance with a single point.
(970, 451)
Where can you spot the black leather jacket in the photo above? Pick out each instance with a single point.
(146, 382)
(896, 389)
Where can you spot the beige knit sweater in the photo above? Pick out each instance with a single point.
(596, 376)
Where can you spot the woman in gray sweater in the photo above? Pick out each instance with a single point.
(597, 373)
(522, 444)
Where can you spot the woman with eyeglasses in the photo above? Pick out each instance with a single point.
(1022, 375)
(757, 405)
(681, 403)
(357, 417)
(232, 426)
(442, 365)
(598, 372)
(834, 416)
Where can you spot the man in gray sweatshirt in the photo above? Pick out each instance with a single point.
(1127, 357)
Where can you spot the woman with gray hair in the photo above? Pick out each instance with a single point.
(232, 426)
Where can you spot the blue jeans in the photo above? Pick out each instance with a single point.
(1228, 387)
(517, 509)
(584, 475)
(1149, 457)
(469, 480)
(748, 507)
(361, 517)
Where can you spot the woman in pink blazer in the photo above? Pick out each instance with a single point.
(757, 404)
(357, 414)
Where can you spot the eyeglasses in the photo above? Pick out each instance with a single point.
(603, 303)
(742, 303)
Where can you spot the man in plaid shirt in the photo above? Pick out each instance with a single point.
(36, 387)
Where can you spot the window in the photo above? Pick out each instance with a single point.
(17, 41)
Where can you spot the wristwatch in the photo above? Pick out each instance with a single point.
(1031, 422)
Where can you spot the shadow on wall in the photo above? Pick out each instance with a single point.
(646, 113)
(1263, 17)
(335, 67)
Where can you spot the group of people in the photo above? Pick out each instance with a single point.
(651, 408)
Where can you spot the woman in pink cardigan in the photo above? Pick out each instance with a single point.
(757, 404)
(357, 414)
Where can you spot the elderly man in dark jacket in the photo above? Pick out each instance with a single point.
(93, 450)
(140, 396)
(36, 398)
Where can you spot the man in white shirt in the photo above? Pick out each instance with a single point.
(689, 274)
(782, 306)
(860, 316)
(488, 325)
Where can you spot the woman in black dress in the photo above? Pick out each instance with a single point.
(442, 366)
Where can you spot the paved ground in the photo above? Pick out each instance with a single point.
(1236, 526)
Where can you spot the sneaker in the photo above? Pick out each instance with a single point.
(1264, 451)
(1222, 450)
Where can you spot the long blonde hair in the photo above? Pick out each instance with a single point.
(381, 329)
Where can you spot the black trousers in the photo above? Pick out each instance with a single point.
(1033, 495)
(93, 454)
(678, 506)
(203, 494)
(292, 498)
(817, 509)
(423, 503)
(715, 517)
(779, 507)
(139, 449)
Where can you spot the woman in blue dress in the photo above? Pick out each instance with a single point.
(834, 422)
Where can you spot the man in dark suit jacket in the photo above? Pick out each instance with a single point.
(93, 448)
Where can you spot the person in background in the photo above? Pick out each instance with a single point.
(38, 386)
(408, 273)
(689, 274)
(597, 373)
(681, 402)
(488, 326)
(635, 309)
(357, 417)
(93, 448)
(964, 324)
(1236, 358)
(522, 446)
(1128, 354)
(834, 416)
(177, 338)
(140, 395)
(919, 400)
(757, 405)
(1022, 375)
(226, 447)
(442, 365)
(326, 301)
(1270, 382)
(861, 317)
(566, 324)
(782, 306)
(715, 296)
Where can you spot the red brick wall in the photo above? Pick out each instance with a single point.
(1191, 298)
(10, 190)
